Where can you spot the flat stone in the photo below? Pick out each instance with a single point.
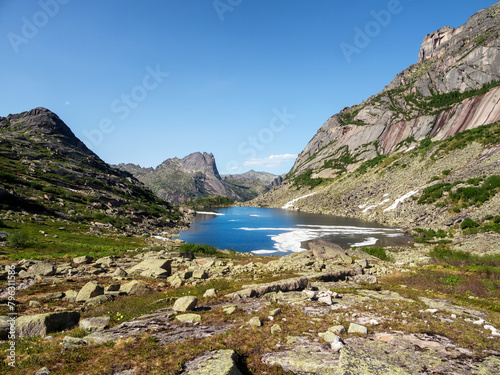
(255, 322)
(94, 324)
(157, 268)
(357, 362)
(228, 310)
(338, 329)
(42, 269)
(82, 260)
(186, 303)
(188, 318)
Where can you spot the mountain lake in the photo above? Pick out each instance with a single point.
(277, 231)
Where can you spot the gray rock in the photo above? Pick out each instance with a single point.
(82, 260)
(94, 324)
(357, 328)
(70, 295)
(259, 290)
(120, 272)
(275, 328)
(157, 268)
(89, 290)
(200, 274)
(255, 321)
(105, 262)
(43, 324)
(188, 318)
(34, 304)
(112, 288)
(42, 269)
(186, 303)
(4, 327)
(210, 293)
(43, 371)
(135, 287)
(322, 249)
(221, 362)
(98, 300)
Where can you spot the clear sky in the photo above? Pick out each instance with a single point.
(250, 81)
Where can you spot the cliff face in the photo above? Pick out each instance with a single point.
(452, 87)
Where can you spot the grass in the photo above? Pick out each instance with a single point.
(378, 252)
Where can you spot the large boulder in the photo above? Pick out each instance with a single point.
(135, 288)
(94, 324)
(42, 269)
(89, 290)
(322, 249)
(186, 303)
(157, 268)
(221, 362)
(258, 290)
(43, 324)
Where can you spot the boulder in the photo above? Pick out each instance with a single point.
(259, 290)
(221, 362)
(4, 327)
(357, 328)
(186, 303)
(322, 249)
(104, 262)
(255, 322)
(94, 324)
(89, 290)
(43, 324)
(82, 260)
(42, 269)
(200, 274)
(210, 293)
(136, 288)
(70, 295)
(157, 268)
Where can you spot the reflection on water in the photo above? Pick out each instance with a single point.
(277, 231)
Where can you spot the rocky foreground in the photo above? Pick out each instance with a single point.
(324, 311)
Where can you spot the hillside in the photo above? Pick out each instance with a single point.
(47, 173)
(422, 153)
(196, 176)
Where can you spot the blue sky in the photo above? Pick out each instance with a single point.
(250, 81)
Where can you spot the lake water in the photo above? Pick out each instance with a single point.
(277, 231)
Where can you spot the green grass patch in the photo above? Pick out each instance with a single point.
(378, 252)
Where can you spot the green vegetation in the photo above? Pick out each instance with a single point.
(346, 117)
(429, 235)
(378, 252)
(305, 179)
(212, 201)
(195, 248)
(19, 239)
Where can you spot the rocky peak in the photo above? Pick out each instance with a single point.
(434, 44)
(203, 162)
(45, 125)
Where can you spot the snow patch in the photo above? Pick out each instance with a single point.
(290, 204)
(401, 200)
(375, 205)
(209, 213)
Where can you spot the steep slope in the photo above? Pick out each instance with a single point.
(46, 170)
(419, 152)
(452, 87)
(196, 176)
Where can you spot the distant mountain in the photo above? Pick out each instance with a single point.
(196, 176)
(46, 170)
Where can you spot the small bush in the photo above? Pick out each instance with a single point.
(446, 172)
(378, 252)
(195, 248)
(19, 239)
(469, 223)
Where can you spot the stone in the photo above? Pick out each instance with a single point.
(43, 324)
(156, 268)
(43, 371)
(94, 324)
(4, 327)
(255, 322)
(120, 272)
(228, 310)
(338, 329)
(200, 274)
(298, 283)
(98, 300)
(82, 260)
(89, 290)
(221, 362)
(326, 300)
(188, 318)
(357, 362)
(186, 303)
(136, 287)
(112, 288)
(104, 262)
(51, 296)
(275, 328)
(70, 295)
(175, 281)
(329, 337)
(210, 293)
(322, 249)
(357, 328)
(275, 312)
(34, 304)
(337, 345)
(42, 269)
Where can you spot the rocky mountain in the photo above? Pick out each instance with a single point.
(196, 176)
(435, 126)
(46, 170)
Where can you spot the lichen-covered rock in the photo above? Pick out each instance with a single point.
(186, 303)
(42, 269)
(188, 318)
(255, 322)
(210, 293)
(94, 324)
(221, 362)
(43, 324)
(357, 362)
(357, 328)
(136, 287)
(82, 260)
(89, 290)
